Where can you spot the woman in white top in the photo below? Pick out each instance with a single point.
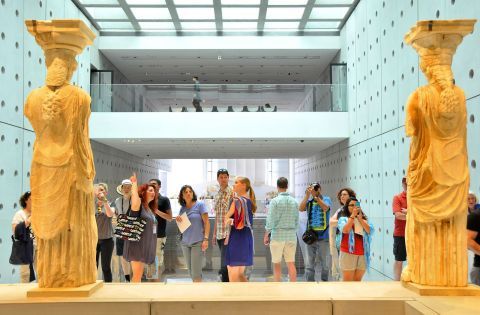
(21, 230)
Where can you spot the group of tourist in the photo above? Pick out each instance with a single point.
(338, 242)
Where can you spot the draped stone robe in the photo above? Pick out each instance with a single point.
(61, 181)
(438, 182)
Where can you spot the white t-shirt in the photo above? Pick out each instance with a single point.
(20, 216)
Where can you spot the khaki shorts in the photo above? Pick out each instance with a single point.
(283, 248)
(350, 262)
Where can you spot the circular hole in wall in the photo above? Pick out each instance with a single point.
(3, 103)
(3, 2)
(383, 5)
(51, 14)
(403, 76)
(412, 69)
(17, 45)
(14, 205)
(473, 164)
(40, 60)
(3, 35)
(17, 77)
(411, 3)
(453, 2)
(471, 73)
(2, 138)
(16, 141)
(29, 84)
(437, 14)
(2, 69)
(1, 172)
(17, 13)
(15, 173)
(16, 109)
(401, 13)
(29, 54)
(393, 23)
(1, 206)
(472, 118)
(384, 32)
(13, 271)
(40, 4)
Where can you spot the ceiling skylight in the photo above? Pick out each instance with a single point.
(193, 2)
(250, 16)
(282, 25)
(116, 25)
(195, 26)
(146, 2)
(239, 25)
(287, 2)
(196, 13)
(329, 13)
(107, 13)
(240, 13)
(157, 25)
(151, 13)
(240, 2)
(324, 24)
(294, 13)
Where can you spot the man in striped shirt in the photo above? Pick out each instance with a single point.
(222, 205)
(282, 224)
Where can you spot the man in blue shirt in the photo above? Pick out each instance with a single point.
(318, 212)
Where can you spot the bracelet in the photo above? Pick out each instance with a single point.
(205, 238)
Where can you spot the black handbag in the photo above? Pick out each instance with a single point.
(19, 254)
(310, 236)
(129, 228)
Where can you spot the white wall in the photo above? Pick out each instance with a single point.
(382, 72)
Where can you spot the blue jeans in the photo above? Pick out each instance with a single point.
(318, 251)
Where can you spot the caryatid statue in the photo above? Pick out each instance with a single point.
(62, 169)
(438, 176)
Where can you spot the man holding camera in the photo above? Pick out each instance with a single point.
(318, 213)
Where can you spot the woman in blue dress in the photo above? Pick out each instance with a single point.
(239, 251)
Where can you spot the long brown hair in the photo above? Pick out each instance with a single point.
(350, 192)
(142, 193)
(246, 181)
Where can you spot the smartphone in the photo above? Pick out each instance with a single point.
(357, 204)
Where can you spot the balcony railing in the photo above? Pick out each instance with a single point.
(219, 98)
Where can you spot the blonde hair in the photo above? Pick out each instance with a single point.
(249, 189)
(437, 68)
(103, 185)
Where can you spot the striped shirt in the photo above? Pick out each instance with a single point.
(222, 203)
(282, 219)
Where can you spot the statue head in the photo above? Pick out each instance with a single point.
(61, 65)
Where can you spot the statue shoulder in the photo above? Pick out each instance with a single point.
(82, 94)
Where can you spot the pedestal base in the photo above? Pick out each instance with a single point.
(429, 290)
(83, 291)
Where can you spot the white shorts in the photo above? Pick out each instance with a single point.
(283, 248)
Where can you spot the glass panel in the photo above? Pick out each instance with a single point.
(281, 25)
(151, 13)
(101, 91)
(239, 25)
(285, 13)
(116, 25)
(111, 2)
(328, 13)
(198, 25)
(107, 13)
(196, 13)
(138, 2)
(220, 97)
(193, 2)
(240, 13)
(339, 92)
(287, 2)
(240, 2)
(322, 25)
(157, 25)
(337, 2)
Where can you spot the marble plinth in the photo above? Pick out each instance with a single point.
(239, 299)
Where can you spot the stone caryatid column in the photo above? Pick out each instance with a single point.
(438, 177)
(62, 169)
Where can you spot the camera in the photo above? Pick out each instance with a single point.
(315, 186)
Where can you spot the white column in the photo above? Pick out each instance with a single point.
(260, 171)
(250, 170)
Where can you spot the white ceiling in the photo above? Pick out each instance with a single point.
(221, 148)
(294, 66)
